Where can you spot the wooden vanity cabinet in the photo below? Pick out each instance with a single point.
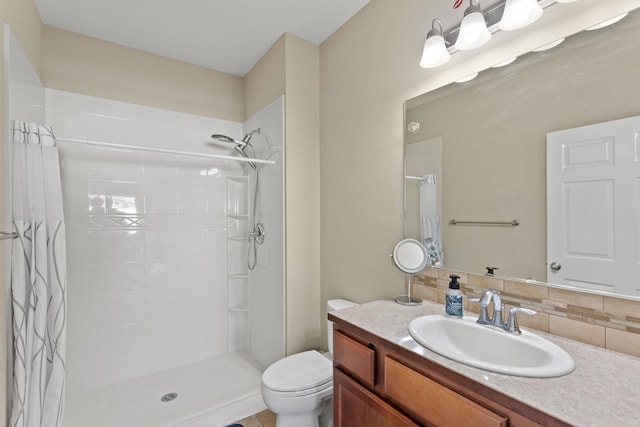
(354, 405)
(381, 384)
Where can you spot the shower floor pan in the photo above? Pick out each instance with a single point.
(213, 392)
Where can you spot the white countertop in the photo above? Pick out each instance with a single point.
(603, 390)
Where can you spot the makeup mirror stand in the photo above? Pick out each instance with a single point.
(410, 256)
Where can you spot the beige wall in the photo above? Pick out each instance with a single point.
(89, 66)
(25, 23)
(266, 80)
(291, 67)
(369, 67)
(302, 175)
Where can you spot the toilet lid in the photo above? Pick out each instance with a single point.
(300, 371)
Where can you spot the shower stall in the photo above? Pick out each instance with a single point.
(167, 324)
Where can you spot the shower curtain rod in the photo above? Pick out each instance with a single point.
(163, 150)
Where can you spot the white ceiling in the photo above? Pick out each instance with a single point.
(224, 35)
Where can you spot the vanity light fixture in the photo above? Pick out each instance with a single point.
(519, 13)
(473, 28)
(477, 26)
(435, 51)
(607, 22)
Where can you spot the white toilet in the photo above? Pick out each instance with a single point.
(299, 388)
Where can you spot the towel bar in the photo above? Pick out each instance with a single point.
(513, 223)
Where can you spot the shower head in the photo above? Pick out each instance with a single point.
(247, 137)
(242, 143)
(228, 139)
(240, 146)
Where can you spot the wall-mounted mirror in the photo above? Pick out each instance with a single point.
(485, 142)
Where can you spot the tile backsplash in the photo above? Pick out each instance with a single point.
(604, 321)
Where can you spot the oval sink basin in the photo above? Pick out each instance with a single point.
(485, 347)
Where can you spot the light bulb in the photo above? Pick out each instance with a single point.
(519, 13)
(435, 52)
(473, 31)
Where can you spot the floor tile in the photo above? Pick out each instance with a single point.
(266, 416)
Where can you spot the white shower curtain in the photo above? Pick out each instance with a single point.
(38, 280)
(429, 218)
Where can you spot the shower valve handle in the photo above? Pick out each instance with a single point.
(258, 233)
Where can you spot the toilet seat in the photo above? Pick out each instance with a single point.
(300, 374)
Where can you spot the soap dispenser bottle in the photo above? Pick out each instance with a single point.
(453, 298)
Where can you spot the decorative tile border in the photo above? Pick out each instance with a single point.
(604, 321)
(138, 222)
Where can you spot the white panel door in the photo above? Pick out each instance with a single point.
(593, 196)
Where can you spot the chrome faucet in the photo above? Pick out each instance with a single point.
(511, 325)
(496, 318)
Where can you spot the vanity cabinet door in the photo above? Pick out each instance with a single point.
(433, 403)
(355, 406)
(355, 358)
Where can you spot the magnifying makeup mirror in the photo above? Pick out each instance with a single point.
(409, 256)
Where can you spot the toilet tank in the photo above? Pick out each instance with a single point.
(335, 304)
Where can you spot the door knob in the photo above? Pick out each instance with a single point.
(555, 266)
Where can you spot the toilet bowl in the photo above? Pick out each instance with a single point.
(299, 388)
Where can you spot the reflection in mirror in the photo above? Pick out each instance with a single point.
(423, 169)
(493, 136)
(410, 256)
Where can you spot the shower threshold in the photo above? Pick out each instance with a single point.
(212, 392)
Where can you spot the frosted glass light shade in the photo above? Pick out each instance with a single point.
(519, 13)
(435, 52)
(473, 32)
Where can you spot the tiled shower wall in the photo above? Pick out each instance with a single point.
(147, 281)
(146, 240)
(267, 337)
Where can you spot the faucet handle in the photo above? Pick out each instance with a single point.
(484, 318)
(512, 321)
